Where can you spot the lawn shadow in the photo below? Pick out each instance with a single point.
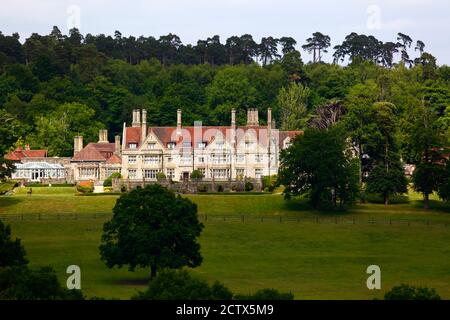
(435, 205)
(133, 282)
(6, 201)
(296, 205)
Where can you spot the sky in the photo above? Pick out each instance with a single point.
(426, 20)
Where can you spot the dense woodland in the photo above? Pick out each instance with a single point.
(55, 86)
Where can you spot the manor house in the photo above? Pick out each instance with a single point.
(220, 152)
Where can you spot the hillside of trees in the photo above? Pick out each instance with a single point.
(56, 86)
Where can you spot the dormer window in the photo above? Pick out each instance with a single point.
(151, 146)
(171, 145)
(201, 145)
(132, 145)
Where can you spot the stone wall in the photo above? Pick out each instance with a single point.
(200, 186)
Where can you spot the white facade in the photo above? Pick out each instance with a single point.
(220, 153)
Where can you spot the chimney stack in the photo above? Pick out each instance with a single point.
(144, 126)
(252, 117)
(179, 121)
(117, 145)
(103, 136)
(233, 118)
(136, 118)
(77, 144)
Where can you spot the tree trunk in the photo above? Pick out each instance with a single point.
(386, 199)
(426, 200)
(152, 272)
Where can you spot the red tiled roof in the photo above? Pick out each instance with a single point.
(95, 152)
(290, 134)
(19, 154)
(114, 159)
(167, 134)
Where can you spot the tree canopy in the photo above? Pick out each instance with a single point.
(151, 227)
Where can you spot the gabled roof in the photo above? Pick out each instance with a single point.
(168, 134)
(114, 159)
(290, 134)
(95, 152)
(19, 154)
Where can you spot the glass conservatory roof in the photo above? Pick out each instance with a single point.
(39, 165)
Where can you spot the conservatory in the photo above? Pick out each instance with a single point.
(37, 171)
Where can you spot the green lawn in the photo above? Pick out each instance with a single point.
(314, 261)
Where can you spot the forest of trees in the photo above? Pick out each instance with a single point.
(55, 86)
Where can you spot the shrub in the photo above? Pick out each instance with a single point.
(270, 182)
(85, 187)
(108, 181)
(248, 186)
(202, 188)
(407, 292)
(238, 187)
(160, 176)
(23, 283)
(196, 175)
(219, 188)
(267, 294)
(180, 284)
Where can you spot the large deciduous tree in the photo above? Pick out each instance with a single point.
(293, 105)
(319, 165)
(151, 227)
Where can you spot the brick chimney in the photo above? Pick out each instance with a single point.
(77, 144)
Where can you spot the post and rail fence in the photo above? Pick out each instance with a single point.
(242, 218)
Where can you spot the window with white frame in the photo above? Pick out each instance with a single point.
(151, 145)
(258, 173)
(219, 145)
(220, 173)
(220, 158)
(171, 145)
(132, 145)
(186, 144)
(258, 158)
(201, 159)
(203, 171)
(150, 174)
(240, 172)
(201, 145)
(88, 172)
(170, 173)
(186, 159)
(240, 158)
(151, 159)
(249, 144)
(132, 174)
(110, 171)
(131, 159)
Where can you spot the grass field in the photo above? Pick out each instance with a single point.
(314, 261)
